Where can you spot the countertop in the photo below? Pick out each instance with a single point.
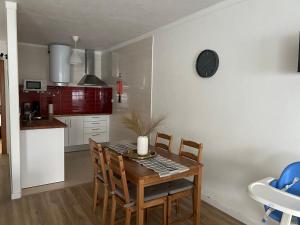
(83, 114)
(41, 124)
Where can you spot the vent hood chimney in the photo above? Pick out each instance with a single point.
(59, 66)
(89, 78)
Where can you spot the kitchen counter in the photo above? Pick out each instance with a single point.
(83, 114)
(42, 152)
(41, 124)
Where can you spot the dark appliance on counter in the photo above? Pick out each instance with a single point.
(27, 110)
(36, 109)
(31, 110)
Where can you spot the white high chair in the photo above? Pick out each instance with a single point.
(276, 199)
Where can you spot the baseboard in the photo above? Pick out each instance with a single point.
(16, 195)
(76, 148)
(226, 210)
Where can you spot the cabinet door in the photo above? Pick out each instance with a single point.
(98, 137)
(66, 121)
(76, 130)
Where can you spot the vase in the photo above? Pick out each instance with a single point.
(142, 145)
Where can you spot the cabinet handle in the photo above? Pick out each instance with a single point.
(95, 123)
(70, 123)
(94, 135)
(96, 129)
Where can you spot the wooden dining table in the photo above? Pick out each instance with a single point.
(143, 177)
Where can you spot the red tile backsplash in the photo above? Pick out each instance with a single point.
(70, 100)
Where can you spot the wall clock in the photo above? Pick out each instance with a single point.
(207, 63)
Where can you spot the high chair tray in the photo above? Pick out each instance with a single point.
(264, 193)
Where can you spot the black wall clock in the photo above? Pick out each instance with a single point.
(207, 63)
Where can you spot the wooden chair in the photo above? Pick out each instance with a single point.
(167, 138)
(125, 193)
(100, 176)
(183, 188)
(166, 146)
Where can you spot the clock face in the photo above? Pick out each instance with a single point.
(207, 63)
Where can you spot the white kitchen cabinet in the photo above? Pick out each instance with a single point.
(81, 128)
(96, 118)
(98, 137)
(96, 128)
(76, 130)
(99, 129)
(92, 124)
(42, 156)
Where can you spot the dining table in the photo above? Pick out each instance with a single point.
(143, 177)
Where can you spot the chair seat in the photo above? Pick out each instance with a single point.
(155, 191)
(179, 186)
(150, 193)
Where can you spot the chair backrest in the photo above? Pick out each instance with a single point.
(287, 176)
(167, 138)
(117, 175)
(98, 161)
(197, 146)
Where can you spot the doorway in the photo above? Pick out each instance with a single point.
(3, 140)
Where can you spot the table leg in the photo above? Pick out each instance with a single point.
(286, 219)
(197, 197)
(140, 203)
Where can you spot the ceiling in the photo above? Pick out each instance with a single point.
(99, 23)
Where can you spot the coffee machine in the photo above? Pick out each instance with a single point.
(27, 110)
(36, 111)
(32, 110)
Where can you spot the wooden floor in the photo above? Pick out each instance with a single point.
(72, 206)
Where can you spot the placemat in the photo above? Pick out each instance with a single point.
(121, 148)
(161, 165)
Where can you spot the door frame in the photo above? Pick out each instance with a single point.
(3, 108)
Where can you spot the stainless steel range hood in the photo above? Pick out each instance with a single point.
(89, 79)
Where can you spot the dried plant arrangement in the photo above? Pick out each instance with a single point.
(135, 123)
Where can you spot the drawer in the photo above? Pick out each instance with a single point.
(88, 130)
(98, 137)
(100, 123)
(94, 118)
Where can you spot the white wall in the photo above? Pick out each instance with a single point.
(3, 48)
(134, 62)
(34, 64)
(248, 114)
(13, 99)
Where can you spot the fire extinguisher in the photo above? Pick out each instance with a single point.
(119, 88)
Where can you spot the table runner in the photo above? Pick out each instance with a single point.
(161, 165)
